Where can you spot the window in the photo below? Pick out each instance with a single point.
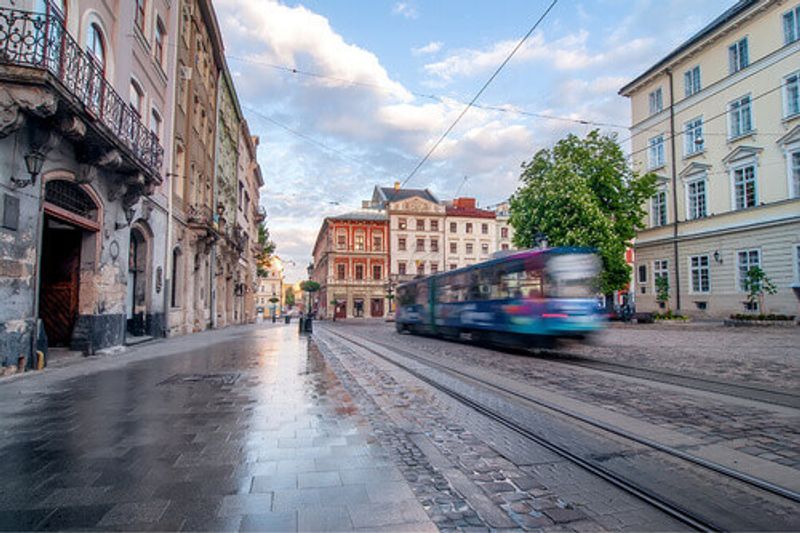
(745, 260)
(795, 173)
(484, 248)
(453, 248)
(401, 243)
(421, 268)
(359, 241)
(401, 223)
(420, 245)
(791, 94)
(659, 208)
(741, 119)
(434, 268)
(160, 39)
(738, 57)
(155, 123)
(341, 241)
(744, 187)
(177, 267)
(401, 268)
(341, 272)
(693, 137)
(700, 275)
(642, 273)
(656, 101)
(376, 272)
(434, 245)
(453, 227)
(655, 154)
(139, 15)
(420, 224)
(660, 269)
(504, 233)
(469, 227)
(469, 248)
(696, 198)
(485, 229)
(359, 272)
(454, 266)
(434, 225)
(137, 98)
(791, 25)
(691, 81)
(377, 243)
(504, 246)
(95, 45)
(797, 263)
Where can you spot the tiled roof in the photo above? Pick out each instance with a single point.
(453, 211)
(362, 214)
(395, 195)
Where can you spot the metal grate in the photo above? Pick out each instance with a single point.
(71, 197)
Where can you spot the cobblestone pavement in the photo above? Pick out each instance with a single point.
(525, 486)
(244, 431)
(752, 428)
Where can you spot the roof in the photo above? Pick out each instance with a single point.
(362, 214)
(471, 212)
(390, 194)
(734, 11)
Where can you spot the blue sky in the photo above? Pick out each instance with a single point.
(388, 77)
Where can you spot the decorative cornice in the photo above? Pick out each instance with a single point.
(741, 152)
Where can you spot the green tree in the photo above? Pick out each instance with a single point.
(289, 297)
(662, 290)
(266, 250)
(309, 287)
(756, 285)
(582, 192)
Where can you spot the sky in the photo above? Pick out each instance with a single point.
(348, 94)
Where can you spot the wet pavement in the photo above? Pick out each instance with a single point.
(248, 430)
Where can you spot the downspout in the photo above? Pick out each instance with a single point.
(674, 168)
(37, 266)
(214, 191)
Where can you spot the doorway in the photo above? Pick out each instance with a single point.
(358, 308)
(341, 310)
(376, 307)
(60, 280)
(137, 284)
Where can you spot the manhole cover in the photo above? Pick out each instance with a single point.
(213, 379)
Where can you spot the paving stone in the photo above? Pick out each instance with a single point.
(560, 514)
(386, 514)
(318, 479)
(286, 521)
(132, 513)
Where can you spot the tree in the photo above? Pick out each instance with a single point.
(266, 250)
(289, 297)
(582, 192)
(309, 286)
(662, 290)
(756, 285)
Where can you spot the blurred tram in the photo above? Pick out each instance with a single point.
(526, 299)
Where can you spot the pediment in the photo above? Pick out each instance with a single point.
(791, 137)
(742, 152)
(693, 168)
(416, 204)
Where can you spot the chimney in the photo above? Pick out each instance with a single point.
(397, 185)
(465, 203)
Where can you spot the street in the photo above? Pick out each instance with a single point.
(259, 428)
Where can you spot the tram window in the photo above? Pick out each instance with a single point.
(421, 296)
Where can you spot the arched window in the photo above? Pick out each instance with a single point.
(95, 45)
(177, 267)
(137, 97)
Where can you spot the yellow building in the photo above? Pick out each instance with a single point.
(718, 120)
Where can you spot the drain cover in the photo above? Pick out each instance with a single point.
(213, 379)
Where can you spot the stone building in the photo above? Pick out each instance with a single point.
(718, 121)
(351, 264)
(470, 234)
(76, 159)
(248, 217)
(416, 222)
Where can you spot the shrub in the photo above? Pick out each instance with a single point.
(762, 317)
(669, 315)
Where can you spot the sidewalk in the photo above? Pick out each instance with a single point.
(238, 429)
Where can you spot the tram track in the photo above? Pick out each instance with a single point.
(679, 512)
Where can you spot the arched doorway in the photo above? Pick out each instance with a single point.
(137, 296)
(71, 219)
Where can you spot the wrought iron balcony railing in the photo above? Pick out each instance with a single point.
(40, 41)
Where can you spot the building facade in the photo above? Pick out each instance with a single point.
(249, 217)
(351, 264)
(269, 294)
(470, 234)
(77, 159)
(718, 121)
(504, 229)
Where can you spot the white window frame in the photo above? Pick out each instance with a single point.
(787, 112)
(655, 152)
(793, 17)
(739, 278)
(653, 222)
(735, 107)
(692, 82)
(698, 270)
(733, 170)
(660, 267)
(690, 146)
(738, 55)
(693, 180)
(794, 184)
(656, 101)
(796, 258)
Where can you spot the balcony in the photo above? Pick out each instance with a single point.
(36, 48)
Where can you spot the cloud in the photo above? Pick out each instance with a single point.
(430, 48)
(406, 10)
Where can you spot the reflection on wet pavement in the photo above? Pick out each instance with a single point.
(254, 432)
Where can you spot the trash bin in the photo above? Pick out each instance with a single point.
(301, 325)
(309, 325)
(288, 319)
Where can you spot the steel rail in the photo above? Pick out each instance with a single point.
(675, 511)
(699, 461)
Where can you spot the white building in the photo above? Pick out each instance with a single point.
(470, 234)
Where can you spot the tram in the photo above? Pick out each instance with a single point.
(524, 299)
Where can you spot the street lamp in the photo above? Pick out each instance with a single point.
(34, 161)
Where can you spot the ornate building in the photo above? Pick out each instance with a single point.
(351, 264)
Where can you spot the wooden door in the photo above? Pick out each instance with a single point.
(376, 307)
(341, 310)
(58, 300)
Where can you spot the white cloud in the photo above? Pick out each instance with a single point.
(430, 48)
(406, 10)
